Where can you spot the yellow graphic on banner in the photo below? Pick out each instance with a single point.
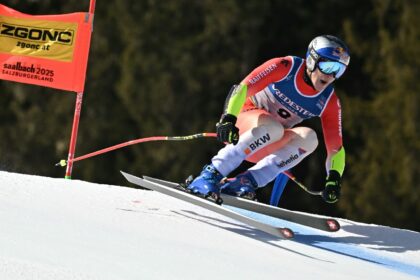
(38, 38)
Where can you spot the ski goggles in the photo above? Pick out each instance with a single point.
(329, 67)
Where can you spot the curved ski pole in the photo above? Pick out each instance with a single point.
(300, 184)
(63, 162)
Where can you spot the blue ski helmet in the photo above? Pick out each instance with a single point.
(329, 54)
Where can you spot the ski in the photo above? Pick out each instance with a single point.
(284, 233)
(321, 223)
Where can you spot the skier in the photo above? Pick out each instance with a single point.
(259, 121)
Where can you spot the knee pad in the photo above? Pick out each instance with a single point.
(304, 138)
(272, 130)
(260, 137)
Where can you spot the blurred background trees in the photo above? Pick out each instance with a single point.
(165, 67)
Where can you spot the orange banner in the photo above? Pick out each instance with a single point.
(45, 50)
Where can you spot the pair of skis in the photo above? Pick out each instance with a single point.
(174, 190)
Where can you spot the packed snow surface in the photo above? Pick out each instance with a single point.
(57, 229)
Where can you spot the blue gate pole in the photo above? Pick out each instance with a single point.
(278, 189)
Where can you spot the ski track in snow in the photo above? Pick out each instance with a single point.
(69, 229)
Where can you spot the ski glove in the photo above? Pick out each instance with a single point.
(331, 193)
(226, 129)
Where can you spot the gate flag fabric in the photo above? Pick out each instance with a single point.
(45, 50)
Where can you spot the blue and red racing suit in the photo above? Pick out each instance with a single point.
(279, 88)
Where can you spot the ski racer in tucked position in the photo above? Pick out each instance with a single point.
(259, 121)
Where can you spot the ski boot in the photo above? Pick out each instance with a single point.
(207, 184)
(243, 185)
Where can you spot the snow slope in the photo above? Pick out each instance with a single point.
(68, 229)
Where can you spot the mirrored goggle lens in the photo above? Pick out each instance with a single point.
(332, 67)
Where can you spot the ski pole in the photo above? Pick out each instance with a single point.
(64, 162)
(300, 184)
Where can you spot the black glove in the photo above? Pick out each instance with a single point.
(331, 193)
(226, 129)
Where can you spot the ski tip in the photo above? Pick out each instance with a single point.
(333, 225)
(129, 177)
(124, 173)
